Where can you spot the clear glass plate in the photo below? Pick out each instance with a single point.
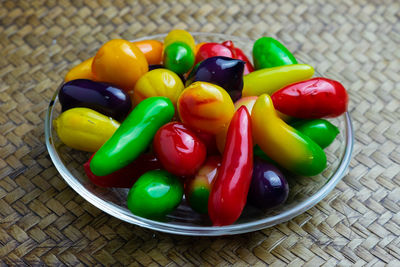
(305, 192)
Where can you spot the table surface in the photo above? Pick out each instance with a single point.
(43, 221)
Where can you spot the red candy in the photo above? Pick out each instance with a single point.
(312, 99)
(127, 176)
(229, 193)
(212, 50)
(180, 151)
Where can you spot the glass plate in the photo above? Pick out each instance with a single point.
(305, 192)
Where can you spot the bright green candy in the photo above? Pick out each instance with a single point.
(133, 136)
(268, 53)
(320, 131)
(178, 57)
(155, 194)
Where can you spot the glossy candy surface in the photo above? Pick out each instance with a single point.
(239, 54)
(133, 136)
(268, 81)
(158, 82)
(178, 57)
(269, 187)
(84, 129)
(104, 98)
(208, 50)
(120, 63)
(178, 148)
(152, 50)
(155, 194)
(312, 99)
(229, 194)
(269, 52)
(282, 143)
(223, 71)
(180, 36)
(127, 176)
(206, 107)
(81, 71)
(198, 188)
(320, 131)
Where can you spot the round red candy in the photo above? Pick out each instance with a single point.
(180, 151)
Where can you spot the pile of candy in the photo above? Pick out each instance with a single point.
(174, 118)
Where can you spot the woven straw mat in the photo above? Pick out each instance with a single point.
(44, 222)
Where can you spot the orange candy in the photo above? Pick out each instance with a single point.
(120, 63)
(206, 107)
(80, 71)
(152, 50)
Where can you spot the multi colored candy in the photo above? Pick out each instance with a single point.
(198, 188)
(284, 144)
(276, 118)
(205, 107)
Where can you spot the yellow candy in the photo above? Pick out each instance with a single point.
(158, 82)
(81, 71)
(84, 129)
(180, 36)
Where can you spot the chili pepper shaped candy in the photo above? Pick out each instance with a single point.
(155, 194)
(180, 151)
(268, 81)
(239, 54)
(81, 71)
(282, 143)
(84, 129)
(269, 52)
(151, 49)
(198, 188)
(133, 136)
(320, 131)
(229, 192)
(312, 99)
(104, 98)
(127, 176)
(120, 63)
(157, 82)
(223, 71)
(205, 107)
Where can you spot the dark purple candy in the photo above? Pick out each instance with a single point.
(269, 187)
(102, 97)
(223, 71)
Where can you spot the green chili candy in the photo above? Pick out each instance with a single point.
(133, 136)
(268, 53)
(155, 194)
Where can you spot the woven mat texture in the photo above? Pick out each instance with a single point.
(43, 221)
